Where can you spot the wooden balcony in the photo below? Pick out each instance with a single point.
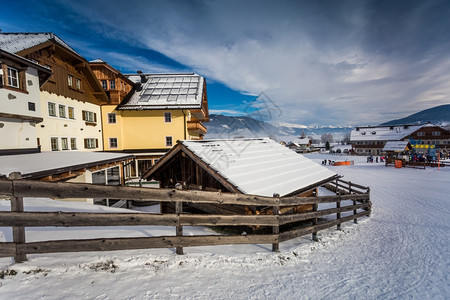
(196, 127)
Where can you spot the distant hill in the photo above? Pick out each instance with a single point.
(222, 127)
(439, 115)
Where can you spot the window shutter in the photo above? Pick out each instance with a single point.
(85, 143)
(95, 117)
(83, 113)
(96, 143)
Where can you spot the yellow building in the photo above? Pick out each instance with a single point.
(147, 113)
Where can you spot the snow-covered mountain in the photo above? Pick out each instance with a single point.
(221, 126)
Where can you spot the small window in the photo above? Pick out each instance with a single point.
(112, 142)
(167, 117)
(62, 111)
(78, 83)
(168, 141)
(54, 144)
(90, 143)
(13, 77)
(31, 106)
(112, 118)
(64, 144)
(420, 133)
(105, 84)
(52, 109)
(436, 133)
(112, 84)
(71, 112)
(70, 80)
(73, 143)
(89, 116)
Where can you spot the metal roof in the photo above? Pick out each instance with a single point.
(383, 133)
(16, 42)
(166, 91)
(260, 166)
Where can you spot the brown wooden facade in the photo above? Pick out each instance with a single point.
(116, 85)
(66, 64)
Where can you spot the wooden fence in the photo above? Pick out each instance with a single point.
(358, 206)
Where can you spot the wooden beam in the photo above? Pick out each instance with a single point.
(21, 117)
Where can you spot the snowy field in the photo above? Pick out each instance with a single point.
(400, 252)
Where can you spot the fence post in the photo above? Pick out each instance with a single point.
(179, 228)
(338, 215)
(314, 234)
(18, 231)
(276, 229)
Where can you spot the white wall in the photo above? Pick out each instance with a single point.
(65, 127)
(17, 133)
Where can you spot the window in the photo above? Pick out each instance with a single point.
(112, 84)
(89, 116)
(62, 111)
(52, 109)
(13, 77)
(73, 143)
(167, 117)
(104, 84)
(70, 80)
(420, 133)
(436, 133)
(112, 118)
(90, 143)
(168, 141)
(71, 111)
(112, 142)
(31, 106)
(54, 144)
(64, 144)
(78, 83)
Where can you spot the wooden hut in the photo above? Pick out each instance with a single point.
(246, 166)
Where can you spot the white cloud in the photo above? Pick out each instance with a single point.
(321, 62)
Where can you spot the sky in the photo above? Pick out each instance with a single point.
(331, 62)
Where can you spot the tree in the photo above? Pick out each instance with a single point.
(346, 139)
(327, 145)
(303, 134)
(326, 137)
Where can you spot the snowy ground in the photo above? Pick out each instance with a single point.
(401, 251)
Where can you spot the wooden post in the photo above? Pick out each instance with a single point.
(179, 228)
(338, 215)
(18, 231)
(314, 220)
(276, 229)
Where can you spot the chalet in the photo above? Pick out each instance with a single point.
(370, 140)
(245, 166)
(20, 110)
(159, 110)
(69, 100)
(300, 144)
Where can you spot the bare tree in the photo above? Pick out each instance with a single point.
(326, 137)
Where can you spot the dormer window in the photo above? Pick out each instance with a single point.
(374, 132)
(363, 133)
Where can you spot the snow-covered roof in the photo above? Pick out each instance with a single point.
(166, 91)
(16, 42)
(383, 133)
(259, 166)
(301, 141)
(55, 162)
(396, 146)
(98, 60)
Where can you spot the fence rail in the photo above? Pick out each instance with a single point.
(19, 219)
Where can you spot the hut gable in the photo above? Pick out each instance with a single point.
(249, 166)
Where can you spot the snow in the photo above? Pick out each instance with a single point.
(400, 252)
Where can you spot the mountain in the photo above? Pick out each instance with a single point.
(222, 127)
(439, 115)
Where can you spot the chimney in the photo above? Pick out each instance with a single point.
(143, 79)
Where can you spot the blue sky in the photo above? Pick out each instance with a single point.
(320, 62)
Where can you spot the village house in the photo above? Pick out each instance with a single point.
(301, 144)
(20, 109)
(159, 110)
(69, 100)
(245, 166)
(370, 140)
